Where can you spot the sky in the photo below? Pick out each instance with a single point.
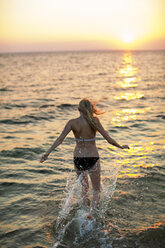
(61, 25)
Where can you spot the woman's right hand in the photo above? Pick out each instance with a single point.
(43, 158)
(125, 147)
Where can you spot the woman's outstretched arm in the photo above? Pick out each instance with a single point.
(108, 138)
(58, 141)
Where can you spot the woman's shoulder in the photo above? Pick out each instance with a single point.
(96, 119)
(74, 121)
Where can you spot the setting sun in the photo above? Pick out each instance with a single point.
(128, 38)
(76, 24)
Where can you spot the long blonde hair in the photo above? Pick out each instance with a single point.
(89, 111)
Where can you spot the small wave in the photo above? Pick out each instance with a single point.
(138, 125)
(35, 117)
(152, 237)
(11, 233)
(9, 137)
(27, 119)
(11, 106)
(45, 99)
(42, 171)
(120, 127)
(15, 186)
(66, 105)
(161, 97)
(10, 122)
(7, 184)
(102, 74)
(27, 153)
(161, 116)
(9, 160)
(19, 106)
(148, 238)
(5, 89)
(47, 105)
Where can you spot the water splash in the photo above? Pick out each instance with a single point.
(75, 226)
(73, 188)
(109, 179)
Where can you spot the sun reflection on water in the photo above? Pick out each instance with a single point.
(134, 161)
(128, 82)
(129, 96)
(127, 59)
(124, 115)
(129, 78)
(131, 163)
(128, 71)
(153, 226)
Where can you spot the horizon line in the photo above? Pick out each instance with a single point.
(82, 50)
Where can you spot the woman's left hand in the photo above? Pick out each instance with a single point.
(43, 158)
(125, 147)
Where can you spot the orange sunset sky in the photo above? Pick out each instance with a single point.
(55, 25)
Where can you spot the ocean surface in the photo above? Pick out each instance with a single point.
(40, 204)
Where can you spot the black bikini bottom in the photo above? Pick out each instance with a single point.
(85, 163)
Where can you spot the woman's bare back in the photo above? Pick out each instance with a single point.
(83, 133)
(82, 129)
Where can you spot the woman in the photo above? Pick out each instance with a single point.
(86, 157)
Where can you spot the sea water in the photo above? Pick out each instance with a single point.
(41, 203)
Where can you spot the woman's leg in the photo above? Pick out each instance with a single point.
(95, 179)
(85, 186)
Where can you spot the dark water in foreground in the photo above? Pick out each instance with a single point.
(40, 203)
